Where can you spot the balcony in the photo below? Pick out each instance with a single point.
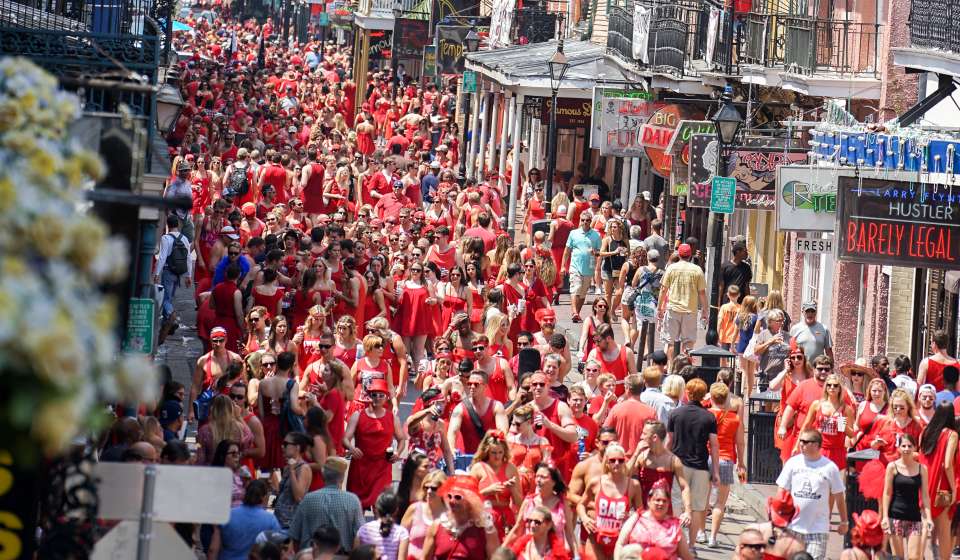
(683, 39)
(934, 37)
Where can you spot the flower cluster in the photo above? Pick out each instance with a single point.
(59, 358)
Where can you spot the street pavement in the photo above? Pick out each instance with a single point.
(181, 351)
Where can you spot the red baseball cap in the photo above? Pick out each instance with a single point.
(685, 250)
(781, 509)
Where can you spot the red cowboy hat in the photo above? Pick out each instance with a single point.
(867, 524)
(781, 508)
(461, 485)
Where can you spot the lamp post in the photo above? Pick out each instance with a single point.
(558, 66)
(169, 106)
(727, 121)
(394, 59)
(470, 43)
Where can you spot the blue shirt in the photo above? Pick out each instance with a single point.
(220, 272)
(428, 187)
(946, 396)
(580, 243)
(240, 533)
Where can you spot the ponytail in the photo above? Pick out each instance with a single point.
(386, 508)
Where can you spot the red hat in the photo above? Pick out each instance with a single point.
(377, 386)
(780, 508)
(218, 332)
(685, 250)
(248, 209)
(867, 525)
(795, 348)
(545, 313)
(593, 197)
(461, 485)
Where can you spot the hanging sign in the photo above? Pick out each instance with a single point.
(430, 61)
(571, 113)
(898, 223)
(410, 37)
(755, 172)
(140, 326)
(616, 120)
(501, 21)
(380, 43)
(657, 132)
(807, 197)
(812, 246)
(450, 48)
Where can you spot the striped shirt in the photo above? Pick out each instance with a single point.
(388, 546)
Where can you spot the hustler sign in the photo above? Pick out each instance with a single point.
(898, 223)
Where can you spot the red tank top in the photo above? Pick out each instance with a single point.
(345, 355)
(270, 302)
(611, 512)
(471, 438)
(446, 261)
(617, 367)
(935, 372)
(313, 190)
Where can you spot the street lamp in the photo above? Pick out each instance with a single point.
(558, 66)
(471, 43)
(727, 121)
(169, 106)
(395, 59)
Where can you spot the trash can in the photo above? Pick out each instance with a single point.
(763, 457)
(712, 358)
(856, 502)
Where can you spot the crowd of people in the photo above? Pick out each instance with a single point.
(337, 262)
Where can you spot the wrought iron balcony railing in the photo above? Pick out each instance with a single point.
(808, 46)
(935, 24)
(384, 8)
(684, 39)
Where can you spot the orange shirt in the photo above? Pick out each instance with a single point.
(727, 424)
(726, 327)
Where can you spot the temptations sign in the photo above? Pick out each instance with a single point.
(898, 223)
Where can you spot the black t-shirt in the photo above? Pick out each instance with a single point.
(691, 426)
(737, 274)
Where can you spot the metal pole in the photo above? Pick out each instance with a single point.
(715, 229)
(504, 130)
(146, 512)
(551, 151)
(515, 175)
(729, 34)
(463, 142)
(394, 59)
(474, 137)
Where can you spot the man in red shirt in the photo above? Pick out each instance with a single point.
(483, 231)
(275, 175)
(798, 404)
(391, 203)
(629, 415)
(587, 427)
(489, 413)
(381, 180)
(558, 424)
(616, 359)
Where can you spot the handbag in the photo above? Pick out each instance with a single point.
(290, 421)
(750, 352)
(943, 499)
(201, 406)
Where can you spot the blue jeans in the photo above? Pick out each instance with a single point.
(169, 281)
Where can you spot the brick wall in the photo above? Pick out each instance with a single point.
(792, 277)
(845, 310)
(898, 90)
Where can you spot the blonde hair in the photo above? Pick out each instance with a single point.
(560, 199)
(774, 301)
(224, 421)
(748, 307)
(719, 393)
(901, 394)
(371, 341)
(673, 386)
(493, 325)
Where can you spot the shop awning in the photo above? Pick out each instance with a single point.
(526, 66)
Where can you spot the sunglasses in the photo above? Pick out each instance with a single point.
(534, 522)
(832, 386)
(324, 346)
(479, 348)
(380, 346)
(824, 369)
(474, 384)
(218, 340)
(238, 397)
(538, 384)
(620, 461)
(757, 547)
(430, 488)
(857, 374)
(378, 395)
(796, 357)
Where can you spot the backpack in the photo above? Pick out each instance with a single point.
(239, 182)
(177, 261)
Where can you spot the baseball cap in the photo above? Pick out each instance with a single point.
(685, 250)
(593, 197)
(658, 357)
(434, 164)
(229, 232)
(781, 509)
(170, 412)
(377, 386)
(807, 305)
(739, 246)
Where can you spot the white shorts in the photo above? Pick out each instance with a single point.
(678, 326)
(580, 284)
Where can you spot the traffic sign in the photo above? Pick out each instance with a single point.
(469, 81)
(190, 494)
(121, 542)
(723, 192)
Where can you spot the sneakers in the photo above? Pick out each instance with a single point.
(701, 537)
(711, 542)
(576, 319)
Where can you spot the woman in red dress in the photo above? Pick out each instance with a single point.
(454, 295)
(527, 448)
(345, 348)
(514, 292)
(477, 287)
(874, 406)
(227, 303)
(796, 371)
(536, 210)
(308, 337)
(313, 188)
(834, 419)
(466, 531)
(411, 322)
(370, 433)
(370, 368)
(499, 479)
(269, 294)
(902, 420)
(938, 451)
(535, 296)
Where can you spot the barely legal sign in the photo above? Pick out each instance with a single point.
(898, 223)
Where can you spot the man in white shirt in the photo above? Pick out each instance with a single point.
(815, 483)
(168, 274)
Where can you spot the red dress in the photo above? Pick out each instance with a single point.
(303, 300)
(497, 383)
(503, 514)
(345, 355)
(226, 317)
(451, 305)
(536, 290)
(510, 297)
(366, 373)
(273, 456)
(476, 312)
(365, 143)
(471, 544)
(785, 445)
(270, 302)
(526, 458)
(832, 429)
(562, 456)
(414, 317)
(371, 474)
(313, 190)
(937, 476)
(309, 351)
(870, 425)
(535, 211)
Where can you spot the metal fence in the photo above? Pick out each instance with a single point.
(126, 17)
(935, 24)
